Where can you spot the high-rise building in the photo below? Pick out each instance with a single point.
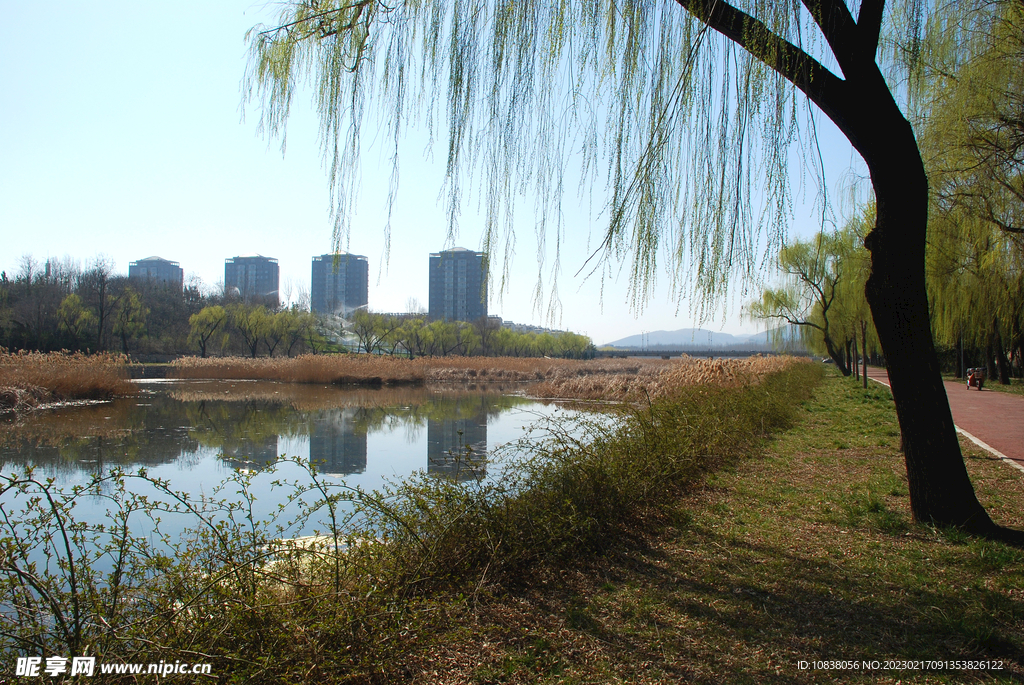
(253, 278)
(458, 285)
(156, 269)
(340, 283)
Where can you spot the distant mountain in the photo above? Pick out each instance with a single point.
(684, 336)
(699, 338)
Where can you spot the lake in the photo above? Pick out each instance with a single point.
(195, 434)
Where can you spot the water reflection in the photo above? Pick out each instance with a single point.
(336, 444)
(250, 424)
(457, 447)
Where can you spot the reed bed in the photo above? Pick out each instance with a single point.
(600, 379)
(381, 370)
(28, 379)
(654, 381)
(309, 397)
(324, 369)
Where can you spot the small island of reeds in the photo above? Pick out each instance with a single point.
(28, 379)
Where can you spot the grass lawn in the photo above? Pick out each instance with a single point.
(806, 553)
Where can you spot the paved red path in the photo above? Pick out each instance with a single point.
(995, 418)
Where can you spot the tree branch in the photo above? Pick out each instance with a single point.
(869, 26)
(825, 89)
(837, 25)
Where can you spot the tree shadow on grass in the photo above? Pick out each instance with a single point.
(751, 611)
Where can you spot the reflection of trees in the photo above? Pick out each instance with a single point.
(437, 407)
(246, 433)
(243, 422)
(125, 431)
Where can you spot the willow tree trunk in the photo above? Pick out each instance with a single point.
(855, 358)
(864, 351)
(940, 489)
(836, 355)
(1002, 363)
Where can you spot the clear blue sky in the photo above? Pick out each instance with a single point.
(121, 133)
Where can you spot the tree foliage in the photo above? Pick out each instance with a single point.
(205, 324)
(970, 94)
(823, 291)
(129, 316)
(683, 127)
(416, 336)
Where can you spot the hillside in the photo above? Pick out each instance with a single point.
(702, 339)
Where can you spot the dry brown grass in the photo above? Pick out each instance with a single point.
(632, 380)
(380, 370)
(315, 397)
(325, 369)
(29, 378)
(599, 379)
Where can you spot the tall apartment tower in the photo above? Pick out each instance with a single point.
(253, 278)
(340, 283)
(156, 270)
(458, 285)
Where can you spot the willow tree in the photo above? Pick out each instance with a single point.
(976, 287)
(823, 293)
(686, 110)
(970, 94)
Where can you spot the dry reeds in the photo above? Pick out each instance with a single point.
(600, 379)
(314, 397)
(628, 382)
(29, 378)
(366, 369)
(307, 368)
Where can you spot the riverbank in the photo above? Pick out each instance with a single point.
(765, 570)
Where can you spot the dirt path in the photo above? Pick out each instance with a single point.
(993, 420)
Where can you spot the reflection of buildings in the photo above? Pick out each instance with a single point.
(244, 453)
(334, 445)
(457, 448)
